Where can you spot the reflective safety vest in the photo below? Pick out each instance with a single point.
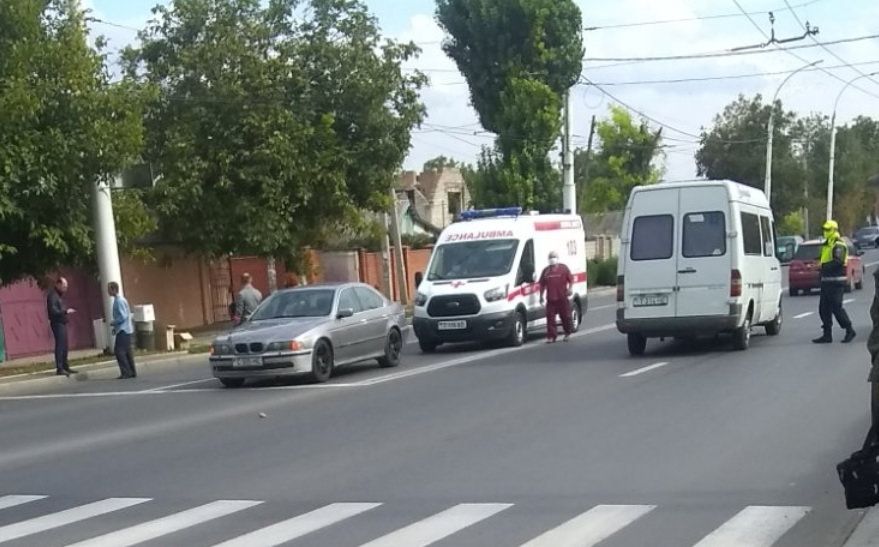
(834, 256)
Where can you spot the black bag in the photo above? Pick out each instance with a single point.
(859, 475)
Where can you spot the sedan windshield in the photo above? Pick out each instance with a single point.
(812, 251)
(295, 303)
(470, 259)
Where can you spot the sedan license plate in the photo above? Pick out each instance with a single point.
(645, 300)
(245, 362)
(451, 325)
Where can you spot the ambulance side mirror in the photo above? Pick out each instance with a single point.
(534, 277)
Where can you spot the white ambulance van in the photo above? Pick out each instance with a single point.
(480, 284)
(697, 258)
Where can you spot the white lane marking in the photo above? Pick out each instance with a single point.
(754, 526)
(848, 300)
(181, 384)
(591, 527)
(168, 525)
(475, 356)
(63, 518)
(643, 370)
(440, 525)
(604, 307)
(871, 264)
(801, 315)
(296, 527)
(12, 501)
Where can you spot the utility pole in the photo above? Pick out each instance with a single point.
(806, 187)
(386, 259)
(107, 249)
(581, 191)
(569, 191)
(398, 250)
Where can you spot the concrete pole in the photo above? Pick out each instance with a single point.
(767, 181)
(386, 259)
(569, 191)
(107, 249)
(398, 250)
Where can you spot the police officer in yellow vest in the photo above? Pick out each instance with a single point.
(834, 255)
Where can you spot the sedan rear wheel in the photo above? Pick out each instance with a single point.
(321, 362)
(393, 349)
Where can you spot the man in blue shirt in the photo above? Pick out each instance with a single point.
(123, 328)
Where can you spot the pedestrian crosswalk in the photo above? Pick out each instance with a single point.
(752, 526)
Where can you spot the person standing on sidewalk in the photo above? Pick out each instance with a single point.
(556, 281)
(123, 328)
(834, 258)
(248, 299)
(58, 313)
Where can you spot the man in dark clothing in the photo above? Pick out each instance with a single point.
(248, 299)
(556, 281)
(58, 312)
(834, 257)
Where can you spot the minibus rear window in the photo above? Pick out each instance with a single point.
(652, 237)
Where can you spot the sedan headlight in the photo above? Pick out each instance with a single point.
(291, 345)
(420, 299)
(221, 349)
(498, 293)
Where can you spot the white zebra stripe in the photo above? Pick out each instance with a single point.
(12, 501)
(591, 527)
(440, 525)
(63, 518)
(755, 526)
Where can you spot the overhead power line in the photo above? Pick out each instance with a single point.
(802, 59)
(729, 53)
(723, 77)
(688, 19)
(827, 49)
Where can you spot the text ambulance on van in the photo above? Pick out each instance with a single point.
(480, 284)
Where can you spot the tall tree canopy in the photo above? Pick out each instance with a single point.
(518, 58)
(627, 155)
(276, 122)
(63, 127)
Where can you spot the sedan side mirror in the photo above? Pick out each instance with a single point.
(343, 313)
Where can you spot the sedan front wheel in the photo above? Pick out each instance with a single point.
(321, 362)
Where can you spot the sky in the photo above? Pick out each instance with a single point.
(634, 29)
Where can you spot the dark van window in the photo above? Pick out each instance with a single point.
(652, 237)
(704, 234)
(751, 234)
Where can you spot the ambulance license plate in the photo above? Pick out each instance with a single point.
(451, 325)
(644, 300)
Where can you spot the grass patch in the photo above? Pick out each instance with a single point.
(11, 369)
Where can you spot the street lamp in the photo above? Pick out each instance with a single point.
(767, 183)
(833, 143)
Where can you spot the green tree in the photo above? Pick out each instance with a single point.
(63, 127)
(519, 58)
(441, 162)
(734, 148)
(628, 155)
(276, 123)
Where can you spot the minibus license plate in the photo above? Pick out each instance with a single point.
(244, 362)
(644, 300)
(451, 325)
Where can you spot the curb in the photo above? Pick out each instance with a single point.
(101, 370)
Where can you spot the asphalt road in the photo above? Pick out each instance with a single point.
(568, 444)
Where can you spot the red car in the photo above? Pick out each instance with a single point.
(804, 272)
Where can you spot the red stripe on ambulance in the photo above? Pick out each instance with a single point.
(549, 225)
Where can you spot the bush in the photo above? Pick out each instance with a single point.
(602, 272)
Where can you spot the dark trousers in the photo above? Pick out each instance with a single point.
(830, 306)
(558, 307)
(124, 356)
(59, 332)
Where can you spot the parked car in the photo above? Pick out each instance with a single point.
(311, 329)
(867, 236)
(786, 247)
(804, 273)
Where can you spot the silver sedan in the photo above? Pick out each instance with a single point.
(311, 329)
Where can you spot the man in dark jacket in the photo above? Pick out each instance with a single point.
(58, 313)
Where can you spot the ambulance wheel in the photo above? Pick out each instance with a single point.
(576, 316)
(427, 346)
(637, 344)
(517, 333)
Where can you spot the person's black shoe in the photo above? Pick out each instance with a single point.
(826, 339)
(70, 371)
(849, 336)
(62, 373)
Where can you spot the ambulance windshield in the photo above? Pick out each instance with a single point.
(472, 259)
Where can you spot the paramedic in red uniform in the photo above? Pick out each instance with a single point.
(556, 281)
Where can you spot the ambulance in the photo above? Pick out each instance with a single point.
(481, 282)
